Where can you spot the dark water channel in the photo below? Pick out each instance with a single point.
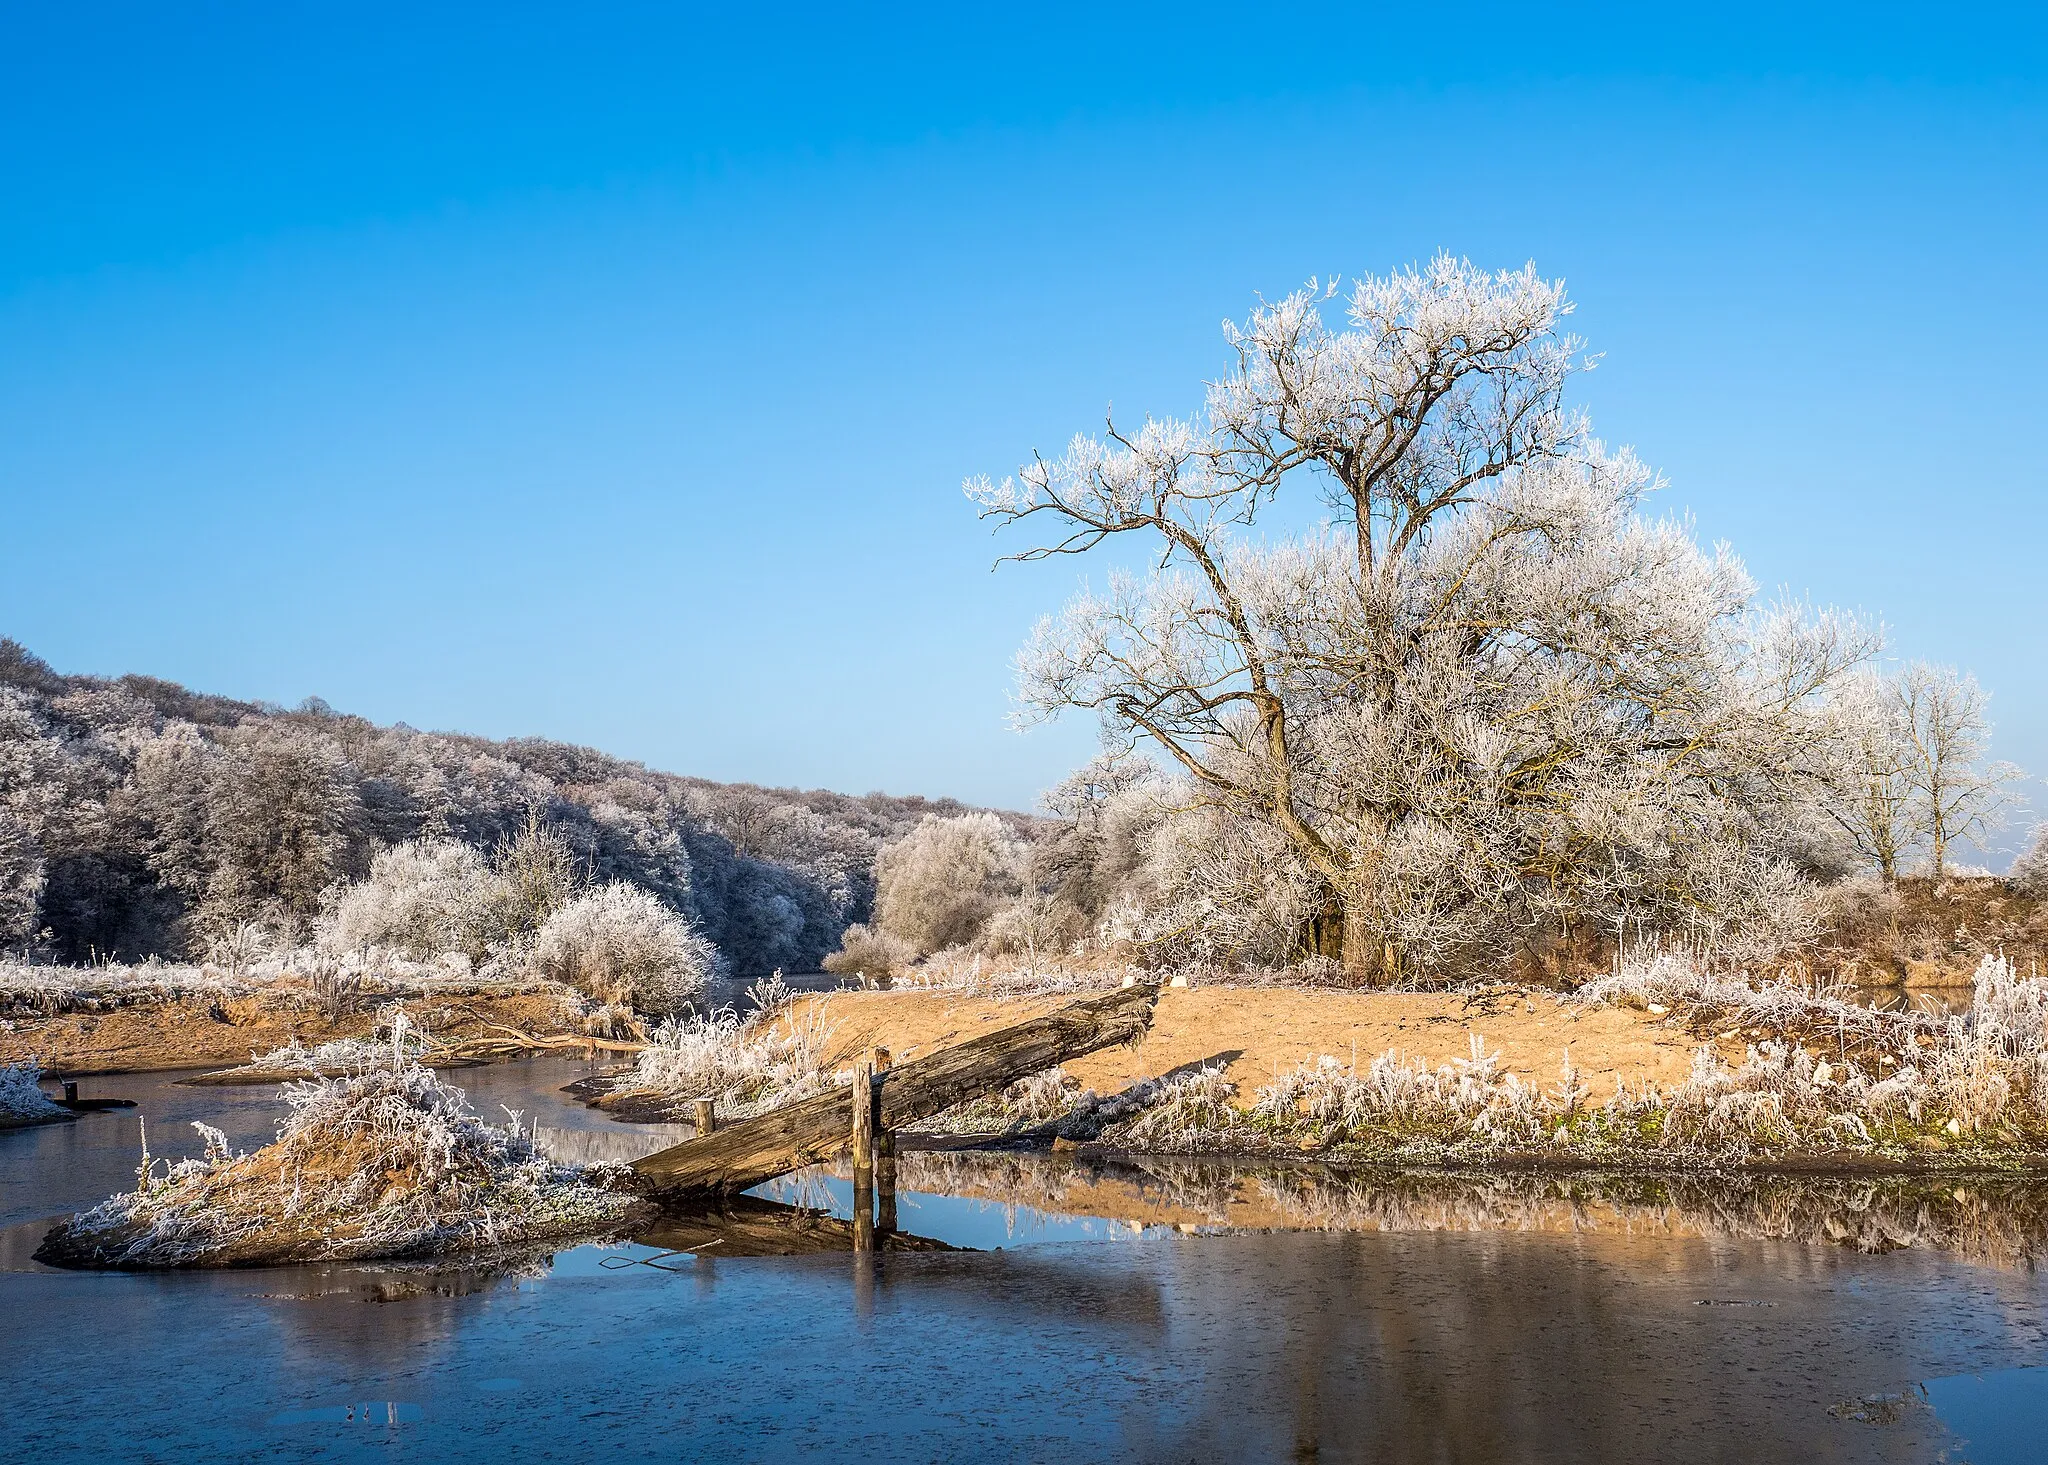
(1149, 1311)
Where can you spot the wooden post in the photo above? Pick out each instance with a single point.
(707, 1117)
(864, 1116)
(864, 1154)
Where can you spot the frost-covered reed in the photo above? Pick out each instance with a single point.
(39, 990)
(773, 1056)
(22, 1101)
(387, 1161)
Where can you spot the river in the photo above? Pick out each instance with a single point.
(1156, 1310)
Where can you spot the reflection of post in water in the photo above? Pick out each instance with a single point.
(885, 1182)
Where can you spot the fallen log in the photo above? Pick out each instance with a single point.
(750, 1151)
(259, 1073)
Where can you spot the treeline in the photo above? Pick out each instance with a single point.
(138, 819)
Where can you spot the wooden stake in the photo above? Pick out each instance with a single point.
(707, 1117)
(864, 1119)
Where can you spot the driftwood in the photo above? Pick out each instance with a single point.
(746, 1153)
(470, 1053)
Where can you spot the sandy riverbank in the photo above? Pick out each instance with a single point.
(1257, 1033)
(202, 1032)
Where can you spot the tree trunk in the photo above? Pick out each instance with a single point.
(1368, 954)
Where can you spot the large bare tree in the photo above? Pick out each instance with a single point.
(1485, 693)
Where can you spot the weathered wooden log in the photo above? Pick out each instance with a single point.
(250, 1073)
(799, 1134)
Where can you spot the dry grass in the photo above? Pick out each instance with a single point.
(773, 1056)
(386, 1162)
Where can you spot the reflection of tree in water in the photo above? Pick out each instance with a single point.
(1989, 1220)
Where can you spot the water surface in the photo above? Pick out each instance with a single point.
(1155, 1311)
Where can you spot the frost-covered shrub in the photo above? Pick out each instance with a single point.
(388, 1161)
(431, 897)
(868, 951)
(619, 944)
(421, 899)
(938, 885)
(21, 1101)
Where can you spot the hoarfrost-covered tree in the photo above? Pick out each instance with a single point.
(283, 826)
(939, 884)
(21, 882)
(1488, 694)
(1957, 794)
(1875, 806)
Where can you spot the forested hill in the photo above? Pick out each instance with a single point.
(138, 818)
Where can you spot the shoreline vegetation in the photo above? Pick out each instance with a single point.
(1666, 1067)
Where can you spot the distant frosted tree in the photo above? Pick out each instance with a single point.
(282, 824)
(2029, 873)
(1958, 795)
(938, 885)
(21, 882)
(172, 785)
(1875, 803)
(1489, 694)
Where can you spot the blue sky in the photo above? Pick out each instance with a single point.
(611, 375)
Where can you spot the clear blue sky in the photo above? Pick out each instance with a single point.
(609, 373)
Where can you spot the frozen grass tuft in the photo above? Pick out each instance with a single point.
(772, 1057)
(387, 1162)
(21, 1100)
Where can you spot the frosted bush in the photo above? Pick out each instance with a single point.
(21, 1101)
(420, 899)
(619, 944)
(939, 885)
(871, 952)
